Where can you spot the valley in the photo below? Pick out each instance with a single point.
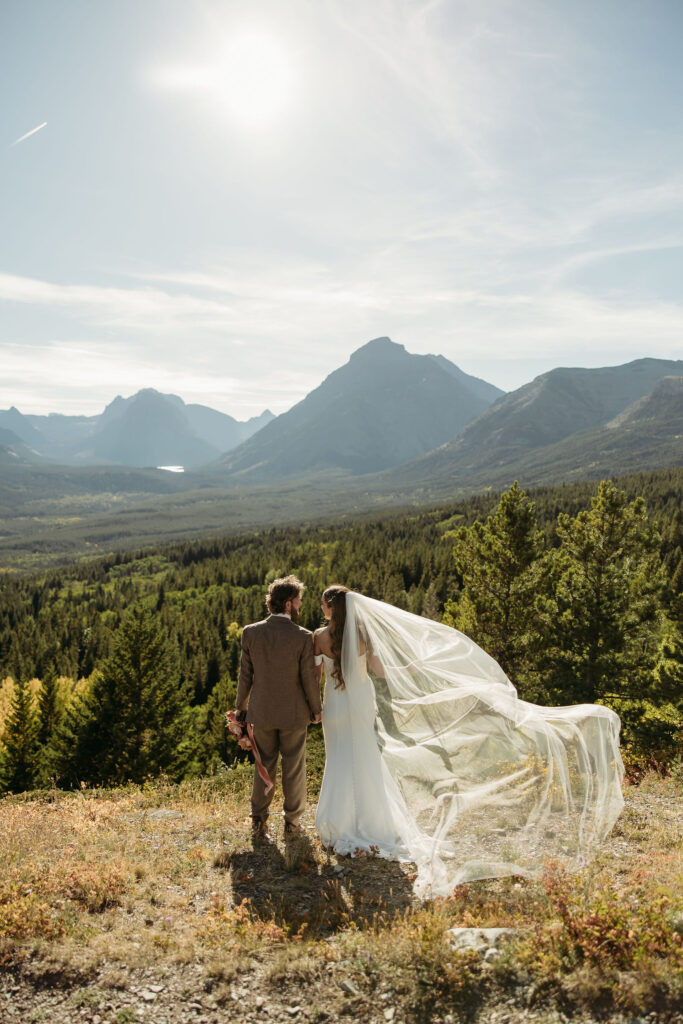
(387, 430)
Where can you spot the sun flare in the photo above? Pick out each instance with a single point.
(255, 78)
(250, 77)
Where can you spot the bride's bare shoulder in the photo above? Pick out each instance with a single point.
(321, 641)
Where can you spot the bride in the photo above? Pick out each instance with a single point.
(432, 757)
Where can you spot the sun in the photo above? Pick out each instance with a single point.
(249, 77)
(254, 79)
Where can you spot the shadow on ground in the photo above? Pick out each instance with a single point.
(300, 884)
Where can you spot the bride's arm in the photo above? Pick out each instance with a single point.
(374, 664)
(318, 656)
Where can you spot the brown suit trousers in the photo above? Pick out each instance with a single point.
(279, 689)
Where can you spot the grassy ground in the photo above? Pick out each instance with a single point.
(154, 904)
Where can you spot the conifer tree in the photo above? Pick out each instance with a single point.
(668, 672)
(495, 560)
(233, 636)
(130, 725)
(20, 739)
(48, 707)
(652, 721)
(602, 624)
(430, 607)
(216, 746)
(49, 712)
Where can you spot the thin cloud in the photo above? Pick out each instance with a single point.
(140, 308)
(88, 375)
(28, 134)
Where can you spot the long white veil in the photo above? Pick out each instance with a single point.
(481, 783)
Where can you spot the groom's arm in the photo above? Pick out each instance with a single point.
(309, 679)
(246, 676)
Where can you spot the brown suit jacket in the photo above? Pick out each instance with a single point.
(277, 674)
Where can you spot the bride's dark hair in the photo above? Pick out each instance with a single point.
(335, 597)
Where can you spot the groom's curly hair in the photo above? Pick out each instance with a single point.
(281, 591)
(335, 597)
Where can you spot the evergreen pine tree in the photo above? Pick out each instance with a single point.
(49, 712)
(495, 560)
(601, 627)
(668, 672)
(215, 745)
(130, 725)
(48, 707)
(233, 636)
(652, 721)
(20, 739)
(430, 607)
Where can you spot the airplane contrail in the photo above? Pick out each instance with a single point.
(28, 134)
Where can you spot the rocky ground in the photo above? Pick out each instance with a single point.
(155, 906)
(191, 994)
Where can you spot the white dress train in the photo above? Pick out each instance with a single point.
(432, 757)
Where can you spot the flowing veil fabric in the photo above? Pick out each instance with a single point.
(477, 782)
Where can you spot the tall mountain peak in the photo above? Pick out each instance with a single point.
(379, 348)
(384, 406)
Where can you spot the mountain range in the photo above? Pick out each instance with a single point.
(387, 421)
(563, 425)
(147, 429)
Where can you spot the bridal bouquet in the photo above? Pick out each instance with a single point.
(238, 731)
(243, 733)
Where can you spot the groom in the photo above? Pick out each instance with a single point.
(279, 694)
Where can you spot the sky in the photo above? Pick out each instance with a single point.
(224, 199)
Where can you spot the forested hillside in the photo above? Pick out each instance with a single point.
(141, 650)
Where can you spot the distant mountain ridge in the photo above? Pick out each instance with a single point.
(647, 434)
(481, 388)
(383, 407)
(566, 421)
(385, 422)
(13, 451)
(147, 429)
(664, 404)
(21, 427)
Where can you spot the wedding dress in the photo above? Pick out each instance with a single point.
(432, 757)
(359, 808)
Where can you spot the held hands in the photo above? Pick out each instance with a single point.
(237, 729)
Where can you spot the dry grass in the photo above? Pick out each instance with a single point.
(167, 876)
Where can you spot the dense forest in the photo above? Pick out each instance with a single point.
(123, 667)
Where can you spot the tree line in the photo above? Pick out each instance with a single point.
(576, 591)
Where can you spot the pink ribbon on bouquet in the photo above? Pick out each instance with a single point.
(236, 730)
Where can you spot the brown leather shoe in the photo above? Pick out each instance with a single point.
(258, 827)
(293, 831)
